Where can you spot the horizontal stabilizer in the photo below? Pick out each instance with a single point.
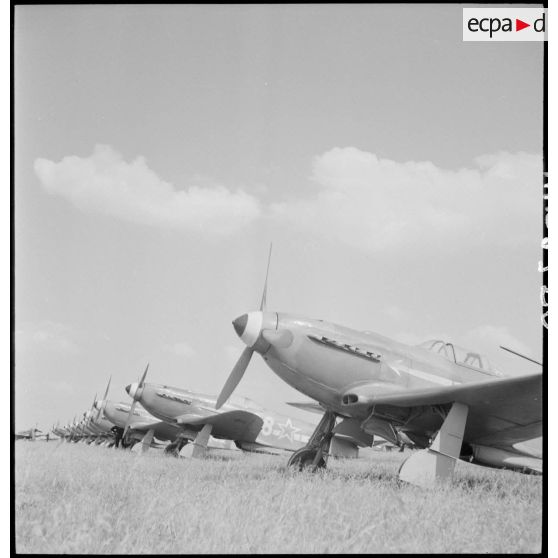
(532, 447)
(496, 457)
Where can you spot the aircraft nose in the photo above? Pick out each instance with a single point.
(249, 326)
(134, 391)
(240, 324)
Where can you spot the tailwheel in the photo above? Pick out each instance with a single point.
(303, 460)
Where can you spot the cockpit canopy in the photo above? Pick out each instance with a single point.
(461, 356)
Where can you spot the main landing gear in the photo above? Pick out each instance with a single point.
(313, 455)
(127, 442)
(175, 447)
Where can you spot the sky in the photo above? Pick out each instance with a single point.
(160, 149)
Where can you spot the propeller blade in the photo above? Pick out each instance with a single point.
(264, 295)
(108, 387)
(143, 377)
(104, 399)
(90, 417)
(242, 363)
(235, 376)
(129, 418)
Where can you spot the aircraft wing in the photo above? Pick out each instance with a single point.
(502, 412)
(231, 425)
(145, 424)
(311, 406)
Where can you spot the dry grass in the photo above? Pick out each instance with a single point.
(73, 498)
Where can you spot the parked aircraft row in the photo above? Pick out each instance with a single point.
(449, 402)
(161, 414)
(31, 434)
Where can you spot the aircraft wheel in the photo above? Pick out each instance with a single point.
(172, 449)
(303, 459)
(127, 443)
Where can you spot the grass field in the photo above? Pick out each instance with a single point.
(74, 498)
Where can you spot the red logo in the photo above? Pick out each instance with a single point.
(519, 25)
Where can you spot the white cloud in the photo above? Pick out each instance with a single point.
(105, 183)
(180, 348)
(380, 204)
(48, 336)
(361, 200)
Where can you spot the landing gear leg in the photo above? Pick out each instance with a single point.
(201, 441)
(128, 442)
(437, 462)
(146, 441)
(313, 455)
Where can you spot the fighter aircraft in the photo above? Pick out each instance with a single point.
(57, 430)
(90, 430)
(250, 426)
(134, 425)
(97, 430)
(449, 401)
(30, 434)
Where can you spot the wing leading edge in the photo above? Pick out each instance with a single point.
(231, 425)
(502, 412)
